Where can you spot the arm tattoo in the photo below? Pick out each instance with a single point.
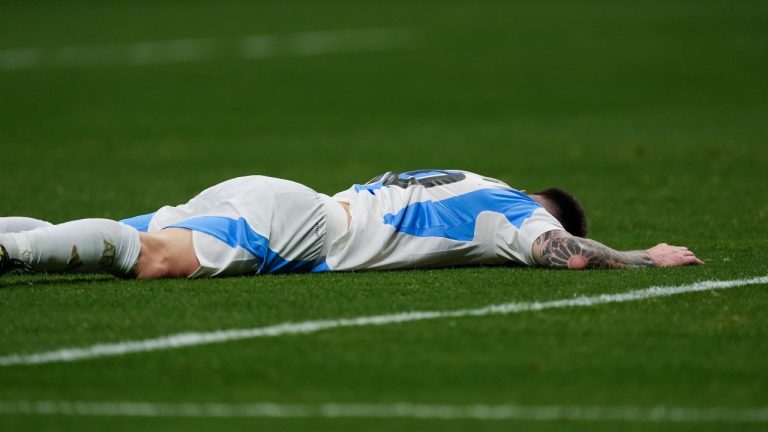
(555, 250)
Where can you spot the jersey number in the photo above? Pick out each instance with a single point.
(425, 178)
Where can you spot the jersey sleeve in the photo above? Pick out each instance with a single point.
(539, 223)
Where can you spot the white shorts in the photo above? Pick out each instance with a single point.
(254, 224)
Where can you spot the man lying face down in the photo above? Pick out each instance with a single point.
(256, 225)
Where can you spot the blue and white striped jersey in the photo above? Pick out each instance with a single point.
(249, 225)
(435, 218)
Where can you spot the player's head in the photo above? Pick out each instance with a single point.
(564, 207)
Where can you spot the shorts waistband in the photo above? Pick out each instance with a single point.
(335, 221)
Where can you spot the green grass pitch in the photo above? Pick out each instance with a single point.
(655, 114)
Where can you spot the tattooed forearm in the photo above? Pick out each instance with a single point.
(556, 250)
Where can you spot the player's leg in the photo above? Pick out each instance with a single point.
(103, 246)
(167, 253)
(83, 246)
(14, 224)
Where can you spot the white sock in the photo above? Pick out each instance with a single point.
(82, 246)
(14, 224)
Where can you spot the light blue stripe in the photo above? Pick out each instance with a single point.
(141, 223)
(370, 187)
(237, 232)
(455, 218)
(321, 268)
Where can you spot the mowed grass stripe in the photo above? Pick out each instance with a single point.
(181, 340)
(396, 410)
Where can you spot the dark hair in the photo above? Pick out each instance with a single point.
(567, 211)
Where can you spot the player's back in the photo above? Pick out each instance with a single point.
(435, 218)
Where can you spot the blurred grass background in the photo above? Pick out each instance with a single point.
(625, 103)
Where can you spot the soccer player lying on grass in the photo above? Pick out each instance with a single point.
(257, 225)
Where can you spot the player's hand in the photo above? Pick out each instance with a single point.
(665, 255)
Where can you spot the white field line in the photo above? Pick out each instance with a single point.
(204, 49)
(180, 340)
(396, 410)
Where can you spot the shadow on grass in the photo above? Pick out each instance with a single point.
(30, 280)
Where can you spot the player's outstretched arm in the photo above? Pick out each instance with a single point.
(560, 250)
